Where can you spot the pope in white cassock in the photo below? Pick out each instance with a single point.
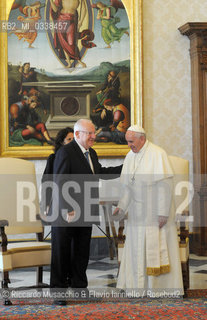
(150, 260)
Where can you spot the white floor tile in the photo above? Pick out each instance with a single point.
(107, 277)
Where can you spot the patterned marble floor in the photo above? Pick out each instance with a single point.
(102, 273)
(198, 272)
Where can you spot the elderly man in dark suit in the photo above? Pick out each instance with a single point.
(76, 164)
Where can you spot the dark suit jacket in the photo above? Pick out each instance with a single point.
(47, 176)
(72, 170)
(49, 165)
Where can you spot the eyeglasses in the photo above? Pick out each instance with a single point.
(89, 133)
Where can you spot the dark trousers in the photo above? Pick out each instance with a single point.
(70, 254)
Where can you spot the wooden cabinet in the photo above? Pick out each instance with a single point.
(197, 33)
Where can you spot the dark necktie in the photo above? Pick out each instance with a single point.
(86, 154)
(87, 157)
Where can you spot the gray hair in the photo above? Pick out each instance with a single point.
(140, 134)
(79, 125)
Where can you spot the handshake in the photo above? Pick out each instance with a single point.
(118, 214)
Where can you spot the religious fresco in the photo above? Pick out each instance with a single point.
(68, 59)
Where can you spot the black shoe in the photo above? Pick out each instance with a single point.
(60, 302)
(68, 282)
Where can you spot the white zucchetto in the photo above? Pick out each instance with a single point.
(136, 128)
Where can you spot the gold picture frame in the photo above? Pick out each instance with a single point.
(108, 149)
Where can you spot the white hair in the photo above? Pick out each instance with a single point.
(139, 134)
(79, 125)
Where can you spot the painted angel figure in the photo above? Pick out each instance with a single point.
(65, 13)
(31, 15)
(106, 14)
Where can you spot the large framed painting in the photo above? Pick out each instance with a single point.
(62, 60)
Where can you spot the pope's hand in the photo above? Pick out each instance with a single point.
(116, 211)
(70, 216)
(118, 214)
(162, 220)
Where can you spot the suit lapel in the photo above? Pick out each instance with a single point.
(81, 155)
(94, 161)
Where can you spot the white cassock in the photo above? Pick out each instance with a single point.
(150, 258)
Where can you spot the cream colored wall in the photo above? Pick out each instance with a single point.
(167, 79)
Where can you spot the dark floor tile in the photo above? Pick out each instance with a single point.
(201, 271)
(197, 263)
(99, 258)
(111, 285)
(107, 276)
(102, 266)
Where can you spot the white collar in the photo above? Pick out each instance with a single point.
(144, 147)
(142, 150)
(81, 147)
